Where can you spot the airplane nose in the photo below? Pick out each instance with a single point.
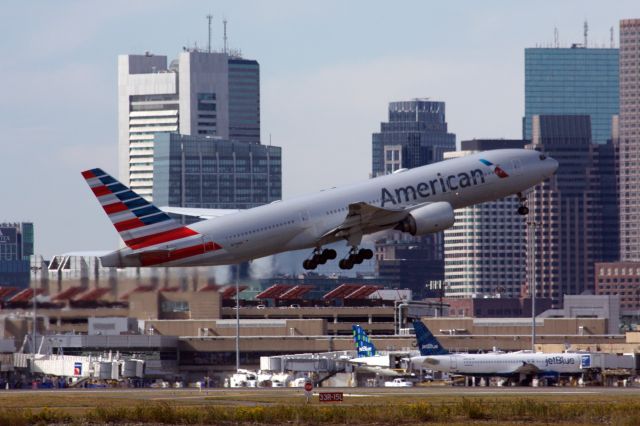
(553, 165)
(550, 165)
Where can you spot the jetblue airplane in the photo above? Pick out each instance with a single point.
(367, 355)
(364, 345)
(418, 201)
(434, 357)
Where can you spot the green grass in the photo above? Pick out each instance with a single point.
(477, 411)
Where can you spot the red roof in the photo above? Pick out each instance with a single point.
(69, 293)
(351, 291)
(92, 295)
(139, 289)
(6, 291)
(210, 287)
(297, 292)
(363, 292)
(342, 291)
(230, 291)
(25, 295)
(274, 292)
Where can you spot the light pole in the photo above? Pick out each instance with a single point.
(237, 317)
(35, 312)
(532, 227)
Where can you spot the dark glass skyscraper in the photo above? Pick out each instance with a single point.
(244, 100)
(16, 247)
(207, 172)
(572, 81)
(416, 134)
(569, 230)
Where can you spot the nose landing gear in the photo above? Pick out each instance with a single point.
(522, 210)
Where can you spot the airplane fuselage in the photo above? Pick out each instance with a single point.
(304, 222)
(505, 364)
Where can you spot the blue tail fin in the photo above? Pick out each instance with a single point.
(427, 342)
(364, 345)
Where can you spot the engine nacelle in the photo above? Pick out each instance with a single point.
(428, 219)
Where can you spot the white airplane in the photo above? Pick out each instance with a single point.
(505, 364)
(418, 201)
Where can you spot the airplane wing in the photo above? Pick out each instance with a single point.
(363, 219)
(200, 213)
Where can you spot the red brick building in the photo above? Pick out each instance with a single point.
(622, 278)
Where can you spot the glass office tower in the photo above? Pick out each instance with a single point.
(214, 173)
(572, 81)
(415, 135)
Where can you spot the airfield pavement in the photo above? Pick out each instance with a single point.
(240, 395)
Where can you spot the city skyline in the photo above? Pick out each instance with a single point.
(327, 78)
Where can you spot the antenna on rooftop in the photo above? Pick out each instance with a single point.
(209, 18)
(556, 37)
(224, 24)
(586, 32)
(612, 41)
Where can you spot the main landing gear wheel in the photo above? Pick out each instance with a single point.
(355, 257)
(319, 257)
(345, 263)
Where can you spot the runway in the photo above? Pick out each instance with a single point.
(415, 392)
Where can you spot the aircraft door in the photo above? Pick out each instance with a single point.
(304, 217)
(453, 361)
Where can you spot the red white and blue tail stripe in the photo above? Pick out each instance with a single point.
(141, 224)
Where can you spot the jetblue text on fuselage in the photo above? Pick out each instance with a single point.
(558, 360)
(440, 184)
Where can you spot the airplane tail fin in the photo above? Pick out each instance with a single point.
(427, 342)
(364, 345)
(139, 223)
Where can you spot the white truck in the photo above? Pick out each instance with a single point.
(399, 382)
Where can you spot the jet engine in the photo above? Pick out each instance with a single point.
(428, 219)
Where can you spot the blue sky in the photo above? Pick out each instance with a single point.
(328, 70)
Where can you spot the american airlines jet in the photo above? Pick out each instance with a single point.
(513, 364)
(418, 201)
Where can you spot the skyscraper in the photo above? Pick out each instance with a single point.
(416, 134)
(16, 248)
(572, 81)
(199, 93)
(629, 153)
(567, 227)
(213, 173)
(485, 249)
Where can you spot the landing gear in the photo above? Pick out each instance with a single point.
(355, 257)
(319, 257)
(522, 210)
